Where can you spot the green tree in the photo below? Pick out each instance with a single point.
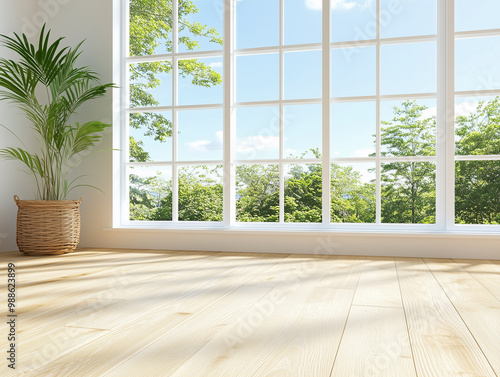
(257, 193)
(408, 188)
(477, 183)
(200, 194)
(151, 33)
(303, 194)
(352, 201)
(147, 197)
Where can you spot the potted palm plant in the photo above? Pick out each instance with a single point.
(48, 87)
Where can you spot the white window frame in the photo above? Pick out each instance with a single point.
(445, 144)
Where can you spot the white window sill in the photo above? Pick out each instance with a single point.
(395, 231)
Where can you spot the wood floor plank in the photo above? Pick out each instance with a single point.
(103, 313)
(133, 312)
(441, 343)
(375, 341)
(186, 339)
(479, 309)
(104, 353)
(378, 284)
(484, 271)
(273, 334)
(375, 344)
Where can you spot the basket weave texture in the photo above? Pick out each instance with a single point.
(47, 227)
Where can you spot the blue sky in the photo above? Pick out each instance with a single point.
(405, 68)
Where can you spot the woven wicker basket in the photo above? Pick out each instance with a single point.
(47, 227)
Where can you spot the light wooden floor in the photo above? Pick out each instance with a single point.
(150, 313)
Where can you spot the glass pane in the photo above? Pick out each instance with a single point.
(150, 27)
(201, 135)
(257, 78)
(302, 21)
(354, 71)
(200, 81)
(477, 15)
(150, 193)
(150, 137)
(477, 126)
(408, 68)
(477, 192)
(409, 192)
(303, 131)
(150, 84)
(200, 193)
(353, 129)
(477, 63)
(257, 193)
(257, 23)
(406, 18)
(200, 25)
(352, 20)
(408, 128)
(303, 75)
(257, 133)
(352, 193)
(303, 188)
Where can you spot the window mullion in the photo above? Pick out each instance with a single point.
(229, 189)
(282, 114)
(378, 164)
(175, 117)
(449, 116)
(326, 112)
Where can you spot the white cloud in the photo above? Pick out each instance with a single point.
(257, 143)
(363, 152)
(216, 65)
(429, 113)
(207, 145)
(465, 108)
(336, 4)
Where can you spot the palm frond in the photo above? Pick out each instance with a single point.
(50, 65)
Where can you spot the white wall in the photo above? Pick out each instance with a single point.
(91, 19)
(13, 16)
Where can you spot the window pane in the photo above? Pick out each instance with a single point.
(200, 193)
(302, 21)
(150, 27)
(200, 25)
(303, 131)
(352, 193)
(150, 137)
(353, 129)
(150, 84)
(352, 20)
(200, 81)
(257, 133)
(200, 135)
(476, 64)
(409, 192)
(406, 18)
(353, 72)
(477, 126)
(303, 188)
(257, 193)
(408, 68)
(477, 192)
(303, 75)
(257, 78)
(150, 193)
(477, 15)
(257, 23)
(408, 128)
